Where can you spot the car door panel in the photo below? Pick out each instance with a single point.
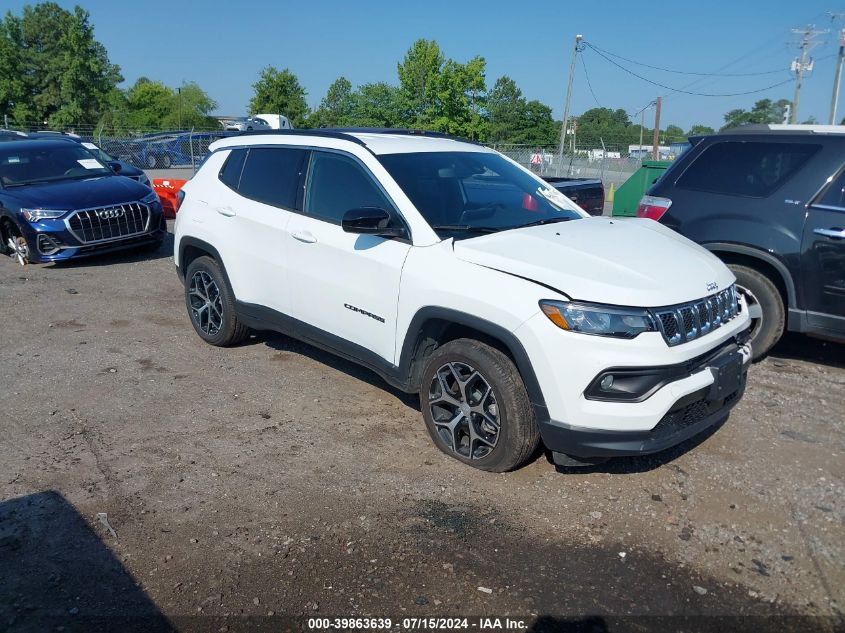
(345, 284)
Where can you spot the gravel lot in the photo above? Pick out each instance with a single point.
(274, 479)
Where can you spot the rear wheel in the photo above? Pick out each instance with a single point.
(765, 307)
(151, 161)
(476, 407)
(211, 304)
(167, 162)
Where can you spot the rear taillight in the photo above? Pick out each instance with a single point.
(180, 196)
(653, 207)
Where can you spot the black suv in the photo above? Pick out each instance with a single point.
(770, 202)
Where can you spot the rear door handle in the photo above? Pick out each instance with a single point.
(304, 236)
(226, 211)
(837, 233)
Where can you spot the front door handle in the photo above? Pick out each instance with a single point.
(835, 233)
(304, 236)
(226, 211)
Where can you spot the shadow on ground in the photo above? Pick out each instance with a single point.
(806, 348)
(56, 572)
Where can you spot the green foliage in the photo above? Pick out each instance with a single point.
(150, 105)
(512, 119)
(459, 98)
(674, 134)
(700, 130)
(419, 75)
(52, 70)
(337, 107)
(377, 105)
(279, 91)
(763, 111)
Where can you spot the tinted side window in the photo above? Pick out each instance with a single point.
(835, 194)
(753, 169)
(337, 184)
(270, 175)
(230, 175)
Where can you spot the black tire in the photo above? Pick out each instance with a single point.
(230, 330)
(517, 434)
(760, 290)
(151, 161)
(167, 162)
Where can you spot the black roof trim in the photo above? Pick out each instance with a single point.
(346, 133)
(763, 128)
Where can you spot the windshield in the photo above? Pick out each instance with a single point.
(36, 164)
(465, 193)
(99, 153)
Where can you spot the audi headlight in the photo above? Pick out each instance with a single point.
(150, 198)
(36, 215)
(598, 319)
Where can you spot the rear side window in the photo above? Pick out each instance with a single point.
(835, 194)
(751, 169)
(337, 184)
(270, 175)
(230, 175)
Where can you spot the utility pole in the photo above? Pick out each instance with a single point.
(834, 102)
(655, 146)
(575, 50)
(802, 64)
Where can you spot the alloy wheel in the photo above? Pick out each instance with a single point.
(19, 249)
(206, 303)
(464, 410)
(755, 310)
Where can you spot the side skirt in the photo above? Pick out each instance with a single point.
(263, 318)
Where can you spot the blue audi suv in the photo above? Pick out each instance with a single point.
(58, 201)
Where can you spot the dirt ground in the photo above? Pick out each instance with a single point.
(154, 481)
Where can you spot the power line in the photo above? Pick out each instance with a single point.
(681, 90)
(684, 72)
(589, 84)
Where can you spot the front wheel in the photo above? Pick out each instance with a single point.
(765, 307)
(211, 304)
(476, 408)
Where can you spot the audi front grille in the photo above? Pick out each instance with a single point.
(689, 321)
(104, 224)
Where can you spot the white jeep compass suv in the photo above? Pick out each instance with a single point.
(457, 274)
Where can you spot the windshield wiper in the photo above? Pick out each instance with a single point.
(465, 228)
(541, 222)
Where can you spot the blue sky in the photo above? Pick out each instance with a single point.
(223, 46)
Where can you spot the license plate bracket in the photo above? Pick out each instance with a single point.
(727, 375)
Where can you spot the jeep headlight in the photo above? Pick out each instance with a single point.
(150, 198)
(36, 215)
(600, 320)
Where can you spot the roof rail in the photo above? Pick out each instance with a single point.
(784, 128)
(347, 133)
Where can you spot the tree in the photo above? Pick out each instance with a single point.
(700, 130)
(279, 92)
(458, 98)
(418, 74)
(52, 69)
(377, 105)
(337, 107)
(505, 110)
(763, 111)
(674, 133)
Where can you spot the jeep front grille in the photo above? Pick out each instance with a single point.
(689, 321)
(104, 224)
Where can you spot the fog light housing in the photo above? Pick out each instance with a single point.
(629, 385)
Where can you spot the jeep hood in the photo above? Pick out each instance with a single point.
(633, 262)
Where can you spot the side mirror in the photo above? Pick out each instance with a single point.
(370, 221)
(115, 166)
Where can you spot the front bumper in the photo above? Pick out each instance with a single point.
(688, 417)
(566, 363)
(52, 241)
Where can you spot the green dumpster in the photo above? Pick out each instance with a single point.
(629, 193)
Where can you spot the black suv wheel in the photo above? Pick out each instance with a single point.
(765, 307)
(476, 407)
(211, 304)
